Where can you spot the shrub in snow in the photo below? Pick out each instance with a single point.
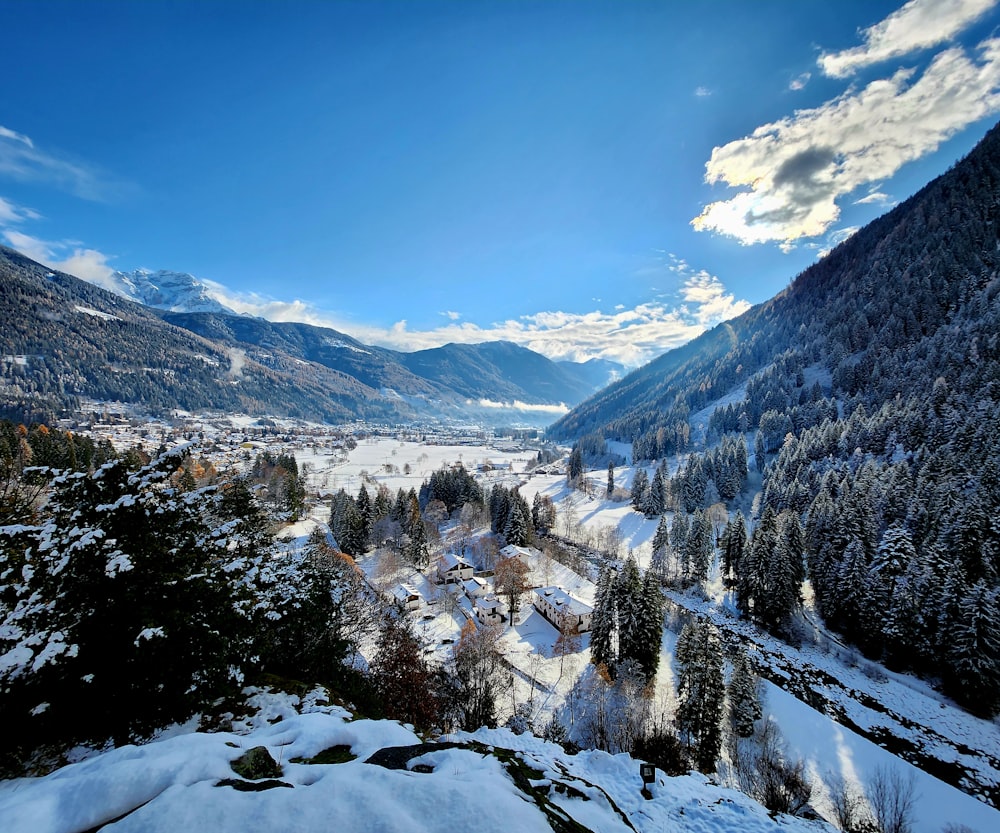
(768, 773)
(520, 721)
(256, 763)
(117, 608)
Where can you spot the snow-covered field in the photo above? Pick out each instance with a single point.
(401, 464)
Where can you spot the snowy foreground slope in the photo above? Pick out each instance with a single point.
(489, 780)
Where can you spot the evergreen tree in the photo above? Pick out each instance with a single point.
(139, 626)
(780, 593)
(629, 605)
(515, 531)
(904, 623)
(770, 574)
(699, 546)
(744, 700)
(365, 509)
(247, 524)
(294, 492)
(574, 470)
(604, 623)
(701, 691)
(353, 541)
(734, 544)
(382, 506)
(694, 482)
(974, 661)
(611, 479)
(647, 644)
(416, 550)
(654, 500)
(640, 485)
(848, 608)
(661, 545)
(499, 509)
(543, 513)
(310, 611)
(518, 531)
(678, 540)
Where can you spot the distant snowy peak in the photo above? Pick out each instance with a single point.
(172, 291)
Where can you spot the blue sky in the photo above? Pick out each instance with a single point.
(583, 178)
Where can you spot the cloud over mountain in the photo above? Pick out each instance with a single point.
(790, 173)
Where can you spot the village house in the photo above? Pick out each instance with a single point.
(475, 588)
(489, 610)
(407, 597)
(453, 569)
(556, 605)
(522, 554)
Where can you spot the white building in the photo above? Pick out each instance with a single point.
(453, 569)
(522, 554)
(489, 610)
(475, 588)
(559, 607)
(407, 596)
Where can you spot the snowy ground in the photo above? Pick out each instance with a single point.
(489, 780)
(386, 460)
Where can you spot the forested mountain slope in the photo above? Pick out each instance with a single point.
(873, 383)
(372, 366)
(882, 293)
(62, 339)
(497, 371)
(501, 371)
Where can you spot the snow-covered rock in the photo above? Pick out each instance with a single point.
(166, 290)
(490, 780)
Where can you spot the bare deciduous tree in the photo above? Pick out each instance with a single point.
(893, 797)
(511, 581)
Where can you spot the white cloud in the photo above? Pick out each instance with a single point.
(88, 264)
(21, 160)
(919, 24)
(702, 92)
(11, 213)
(800, 82)
(791, 172)
(451, 315)
(875, 197)
(30, 246)
(7, 133)
(630, 336)
(710, 300)
(518, 405)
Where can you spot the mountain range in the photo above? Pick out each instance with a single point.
(161, 341)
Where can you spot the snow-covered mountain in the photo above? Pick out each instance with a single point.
(166, 290)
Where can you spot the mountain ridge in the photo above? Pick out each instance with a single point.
(64, 338)
(666, 390)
